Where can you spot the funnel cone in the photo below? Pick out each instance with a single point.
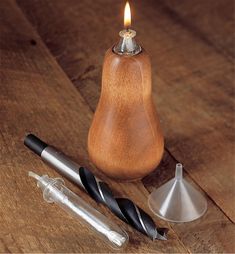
(177, 200)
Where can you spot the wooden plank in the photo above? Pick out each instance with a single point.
(212, 21)
(187, 70)
(36, 96)
(199, 231)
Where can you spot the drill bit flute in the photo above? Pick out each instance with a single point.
(123, 208)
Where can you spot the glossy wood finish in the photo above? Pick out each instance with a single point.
(125, 140)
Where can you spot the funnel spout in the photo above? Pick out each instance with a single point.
(179, 171)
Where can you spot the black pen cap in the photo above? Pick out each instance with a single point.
(35, 144)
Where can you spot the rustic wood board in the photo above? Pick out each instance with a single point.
(187, 70)
(212, 21)
(36, 96)
(88, 80)
(32, 63)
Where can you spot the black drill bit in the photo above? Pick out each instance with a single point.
(123, 208)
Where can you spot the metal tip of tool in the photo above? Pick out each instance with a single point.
(162, 234)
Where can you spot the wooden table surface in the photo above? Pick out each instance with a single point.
(51, 60)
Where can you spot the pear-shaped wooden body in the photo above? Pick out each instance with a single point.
(125, 140)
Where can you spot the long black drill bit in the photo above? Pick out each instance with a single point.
(123, 208)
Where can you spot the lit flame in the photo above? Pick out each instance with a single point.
(127, 16)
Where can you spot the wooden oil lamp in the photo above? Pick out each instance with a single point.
(125, 139)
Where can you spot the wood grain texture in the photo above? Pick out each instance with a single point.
(212, 21)
(193, 75)
(125, 139)
(36, 96)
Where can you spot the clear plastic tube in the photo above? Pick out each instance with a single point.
(54, 190)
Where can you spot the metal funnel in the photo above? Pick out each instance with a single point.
(177, 200)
